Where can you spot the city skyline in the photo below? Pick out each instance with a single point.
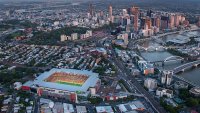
(100, 56)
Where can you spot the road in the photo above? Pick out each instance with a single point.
(132, 83)
(127, 76)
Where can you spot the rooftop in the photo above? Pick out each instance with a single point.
(90, 80)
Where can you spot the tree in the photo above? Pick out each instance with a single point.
(95, 100)
(191, 102)
(184, 93)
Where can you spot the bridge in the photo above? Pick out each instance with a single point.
(170, 59)
(186, 66)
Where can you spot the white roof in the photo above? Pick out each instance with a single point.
(104, 109)
(90, 82)
(68, 108)
(122, 108)
(81, 109)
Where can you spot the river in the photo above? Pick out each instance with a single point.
(192, 75)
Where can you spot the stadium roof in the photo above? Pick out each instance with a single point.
(90, 82)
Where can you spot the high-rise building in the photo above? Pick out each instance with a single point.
(110, 14)
(135, 12)
(164, 22)
(142, 23)
(110, 10)
(177, 20)
(150, 83)
(91, 10)
(124, 12)
(171, 21)
(166, 77)
(198, 22)
(158, 22)
(149, 13)
(153, 21)
(148, 23)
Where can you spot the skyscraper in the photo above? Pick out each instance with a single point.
(148, 23)
(91, 10)
(149, 12)
(110, 11)
(171, 21)
(177, 20)
(135, 12)
(164, 22)
(158, 22)
(198, 22)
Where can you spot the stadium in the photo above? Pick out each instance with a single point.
(67, 78)
(65, 83)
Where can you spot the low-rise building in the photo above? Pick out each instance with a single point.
(195, 91)
(74, 36)
(164, 92)
(180, 85)
(131, 107)
(68, 108)
(81, 109)
(104, 109)
(17, 85)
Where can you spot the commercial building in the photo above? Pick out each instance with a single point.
(164, 92)
(172, 21)
(145, 67)
(135, 12)
(110, 13)
(64, 83)
(150, 83)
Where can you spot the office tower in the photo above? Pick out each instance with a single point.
(142, 23)
(135, 12)
(171, 21)
(164, 22)
(91, 10)
(149, 13)
(177, 20)
(198, 22)
(148, 23)
(153, 21)
(110, 14)
(110, 11)
(158, 22)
